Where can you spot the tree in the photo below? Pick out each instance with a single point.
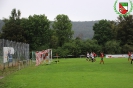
(102, 32)
(54, 40)
(37, 31)
(114, 29)
(61, 52)
(78, 43)
(15, 14)
(112, 47)
(126, 48)
(125, 30)
(63, 26)
(69, 46)
(91, 46)
(12, 30)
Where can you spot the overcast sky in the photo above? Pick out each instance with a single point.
(76, 10)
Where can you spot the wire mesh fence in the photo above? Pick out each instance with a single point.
(20, 58)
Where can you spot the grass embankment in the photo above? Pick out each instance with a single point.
(73, 73)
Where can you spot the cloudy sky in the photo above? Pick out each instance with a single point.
(76, 10)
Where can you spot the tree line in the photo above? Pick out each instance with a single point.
(110, 37)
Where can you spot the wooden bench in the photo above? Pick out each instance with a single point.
(55, 56)
(82, 56)
(70, 55)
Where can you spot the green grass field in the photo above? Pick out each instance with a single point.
(73, 73)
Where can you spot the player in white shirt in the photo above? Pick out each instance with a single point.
(131, 57)
(92, 57)
(88, 56)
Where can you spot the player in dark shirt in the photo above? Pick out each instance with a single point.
(101, 55)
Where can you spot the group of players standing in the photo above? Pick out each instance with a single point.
(92, 57)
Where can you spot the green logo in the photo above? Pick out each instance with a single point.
(123, 8)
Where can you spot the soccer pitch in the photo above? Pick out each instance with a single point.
(73, 73)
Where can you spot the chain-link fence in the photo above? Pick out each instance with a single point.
(20, 58)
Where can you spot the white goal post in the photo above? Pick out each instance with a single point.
(43, 56)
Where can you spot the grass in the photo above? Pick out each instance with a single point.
(73, 73)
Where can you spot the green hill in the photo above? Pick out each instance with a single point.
(82, 29)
